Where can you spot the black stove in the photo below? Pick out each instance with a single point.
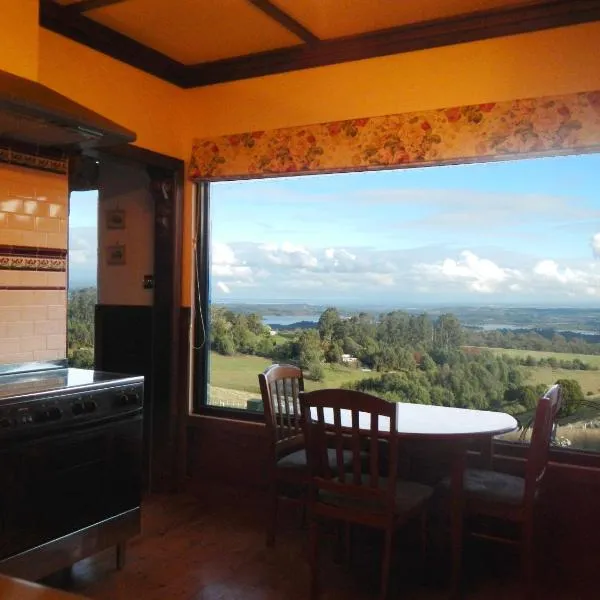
(70, 465)
(59, 398)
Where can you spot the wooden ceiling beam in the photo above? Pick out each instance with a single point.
(285, 20)
(112, 43)
(407, 38)
(85, 5)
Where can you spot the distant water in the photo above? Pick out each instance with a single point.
(494, 326)
(288, 319)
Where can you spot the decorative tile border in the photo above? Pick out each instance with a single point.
(32, 288)
(23, 258)
(497, 130)
(43, 163)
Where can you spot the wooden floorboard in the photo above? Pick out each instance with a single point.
(210, 545)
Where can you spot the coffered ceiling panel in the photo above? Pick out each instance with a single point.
(193, 31)
(336, 18)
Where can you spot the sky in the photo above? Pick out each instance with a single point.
(83, 238)
(521, 232)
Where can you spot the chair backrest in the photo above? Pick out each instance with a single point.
(351, 421)
(545, 414)
(280, 386)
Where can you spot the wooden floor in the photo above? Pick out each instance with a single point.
(210, 546)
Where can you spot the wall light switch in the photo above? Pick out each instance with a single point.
(148, 282)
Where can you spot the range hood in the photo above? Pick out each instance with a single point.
(33, 114)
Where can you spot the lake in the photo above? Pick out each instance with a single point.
(288, 319)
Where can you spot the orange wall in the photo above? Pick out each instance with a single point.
(538, 64)
(19, 37)
(130, 97)
(166, 118)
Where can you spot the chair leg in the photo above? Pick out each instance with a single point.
(424, 532)
(314, 558)
(348, 542)
(272, 516)
(386, 561)
(528, 558)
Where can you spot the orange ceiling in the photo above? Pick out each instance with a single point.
(337, 18)
(196, 31)
(193, 31)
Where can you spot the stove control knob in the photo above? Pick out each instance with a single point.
(129, 399)
(5, 423)
(77, 408)
(41, 416)
(90, 406)
(54, 413)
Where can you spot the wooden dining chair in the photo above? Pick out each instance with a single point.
(280, 386)
(369, 494)
(511, 498)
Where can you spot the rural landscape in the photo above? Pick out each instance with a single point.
(486, 358)
(489, 358)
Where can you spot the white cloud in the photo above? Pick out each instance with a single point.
(478, 274)
(383, 279)
(226, 265)
(222, 254)
(596, 245)
(574, 281)
(289, 255)
(427, 273)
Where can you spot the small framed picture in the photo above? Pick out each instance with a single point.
(115, 255)
(115, 219)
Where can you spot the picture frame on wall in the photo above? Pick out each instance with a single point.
(115, 254)
(115, 219)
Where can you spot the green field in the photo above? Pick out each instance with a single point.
(591, 359)
(241, 373)
(588, 380)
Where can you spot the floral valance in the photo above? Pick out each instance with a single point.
(533, 126)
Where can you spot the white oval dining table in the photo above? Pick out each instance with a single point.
(441, 422)
(457, 425)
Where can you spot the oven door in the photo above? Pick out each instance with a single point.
(58, 484)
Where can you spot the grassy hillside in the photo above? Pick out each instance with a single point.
(589, 380)
(241, 373)
(591, 359)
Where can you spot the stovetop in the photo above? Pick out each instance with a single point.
(27, 384)
(41, 401)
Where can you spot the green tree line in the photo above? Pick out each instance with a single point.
(546, 340)
(415, 358)
(81, 307)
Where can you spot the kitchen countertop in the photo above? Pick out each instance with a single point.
(17, 589)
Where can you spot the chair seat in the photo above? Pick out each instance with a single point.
(298, 460)
(409, 495)
(492, 486)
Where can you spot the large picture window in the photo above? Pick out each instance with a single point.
(474, 286)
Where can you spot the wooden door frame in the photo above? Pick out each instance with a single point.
(167, 180)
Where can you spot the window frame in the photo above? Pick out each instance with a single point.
(201, 313)
(201, 347)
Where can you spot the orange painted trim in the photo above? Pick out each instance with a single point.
(479, 132)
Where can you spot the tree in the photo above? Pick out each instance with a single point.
(334, 353)
(255, 324)
(316, 371)
(572, 396)
(328, 321)
(309, 348)
(448, 333)
(224, 344)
